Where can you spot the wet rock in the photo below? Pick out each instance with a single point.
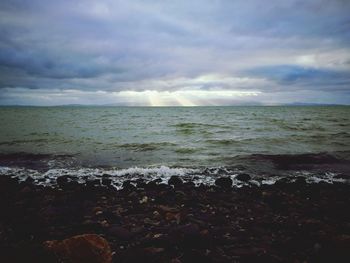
(63, 180)
(120, 233)
(151, 222)
(175, 181)
(282, 183)
(243, 177)
(224, 182)
(195, 256)
(153, 250)
(147, 255)
(140, 183)
(106, 181)
(93, 183)
(152, 185)
(127, 185)
(144, 200)
(342, 176)
(300, 181)
(189, 229)
(29, 180)
(26, 191)
(270, 223)
(89, 248)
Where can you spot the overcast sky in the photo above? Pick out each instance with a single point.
(159, 52)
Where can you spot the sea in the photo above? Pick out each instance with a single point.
(197, 143)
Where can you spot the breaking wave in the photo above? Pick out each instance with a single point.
(160, 174)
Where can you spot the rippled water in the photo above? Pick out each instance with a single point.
(194, 137)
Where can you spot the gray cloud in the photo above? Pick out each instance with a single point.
(116, 46)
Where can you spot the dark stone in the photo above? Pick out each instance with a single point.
(189, 229)
(342, 176)
(300, 181)
(243, 177)
(195, 256)
(26, 190)
(224, 182)
(175, 181)
(120, 232)
(92, 183)
(29, 180)
(106, 181)
(63, 180)
(127, 185)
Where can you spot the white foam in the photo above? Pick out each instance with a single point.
(163, 173)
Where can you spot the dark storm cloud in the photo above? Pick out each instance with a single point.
(173, 45)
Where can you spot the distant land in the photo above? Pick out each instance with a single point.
(233, 105)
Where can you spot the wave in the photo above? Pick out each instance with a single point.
(39, 162)
(222, 141)
(193, 125)
(14, 142)
(145, 146)
(186, 150)
(162, 174)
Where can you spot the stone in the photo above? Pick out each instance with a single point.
(175, 181)
(120, 232)
(88, 248)
(93, 183)
(189, 229)
(63, 180)
(127, 185)
(106, 181)
(29, 180)
(243, 177)
(224, 182)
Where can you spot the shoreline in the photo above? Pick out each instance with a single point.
(157, 222)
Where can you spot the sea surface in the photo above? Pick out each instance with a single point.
(157, 142)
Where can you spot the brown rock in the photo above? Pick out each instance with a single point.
(89, 248)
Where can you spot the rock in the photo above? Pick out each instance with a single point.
(342, 176)
(189, 229)
(165, 208)
(89, 248)
(120, 233)
(144, 200)
(106, 181)
(153, 184)
(93, 183)
(29, 180)
(224, 182)
(243, 177)
(148, 254)
(63, 180)
(171, 216)
(300, 181)
(153, 250)
(25, 191)
(175, 181)
(148, 221)
(127, 185)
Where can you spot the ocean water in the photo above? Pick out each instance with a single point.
(162, 141)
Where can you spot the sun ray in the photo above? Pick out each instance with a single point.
(155, 99)
(184, 101)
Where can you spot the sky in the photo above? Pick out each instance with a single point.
(174, 53)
